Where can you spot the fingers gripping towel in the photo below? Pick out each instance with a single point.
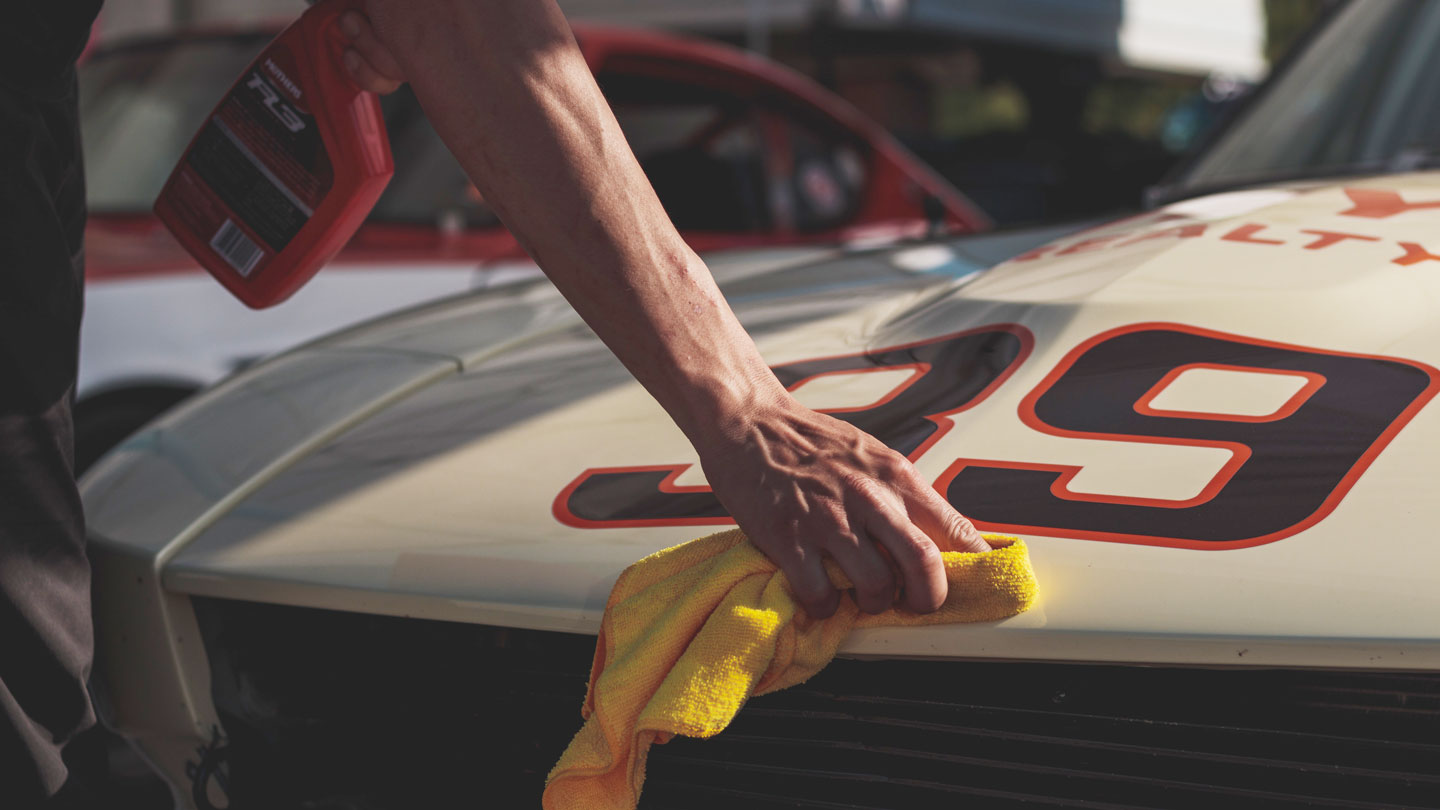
(691, 632)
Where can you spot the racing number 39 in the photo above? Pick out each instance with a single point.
(1287, 469)
(947, 375)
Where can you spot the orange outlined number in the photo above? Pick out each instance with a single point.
(1287, 471)
(949, 374)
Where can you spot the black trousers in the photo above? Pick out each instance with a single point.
(45, 634)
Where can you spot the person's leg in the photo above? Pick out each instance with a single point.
(45, 634)
(45, 638)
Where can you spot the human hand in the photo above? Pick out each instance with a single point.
(369, 63)
(805, 486)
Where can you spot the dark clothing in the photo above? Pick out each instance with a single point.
(41, 39)
(45, 635)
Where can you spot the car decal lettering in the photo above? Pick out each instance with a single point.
(1287, 468)
(1414, 254)
(1190, 231)
(1247, 233)
(1381, 204)
(1328, 238)
(1365, 203)
(950, 374)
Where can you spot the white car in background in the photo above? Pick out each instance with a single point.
(744, 153)
(367, 573)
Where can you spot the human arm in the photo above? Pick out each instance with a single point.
(509, 92)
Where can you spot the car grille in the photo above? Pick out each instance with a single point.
(922, 734)
(336, 710)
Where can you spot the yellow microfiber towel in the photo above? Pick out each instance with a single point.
(691, 632)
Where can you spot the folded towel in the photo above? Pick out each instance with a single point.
(691, 632)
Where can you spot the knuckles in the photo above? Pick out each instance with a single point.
(963, 533)
(896, 469)
(925, 555)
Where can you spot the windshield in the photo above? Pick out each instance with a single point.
(1363, 96)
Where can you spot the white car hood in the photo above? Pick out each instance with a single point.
(421, 466)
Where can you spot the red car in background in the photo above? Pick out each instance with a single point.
(742, 152)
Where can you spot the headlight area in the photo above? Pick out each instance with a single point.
(325, 709)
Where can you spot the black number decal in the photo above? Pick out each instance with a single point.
(949, 374)
(1287, 471)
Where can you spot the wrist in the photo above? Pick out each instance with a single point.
(720, 409)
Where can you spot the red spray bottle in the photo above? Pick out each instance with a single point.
(285, 169)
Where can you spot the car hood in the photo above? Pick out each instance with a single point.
(427, 464)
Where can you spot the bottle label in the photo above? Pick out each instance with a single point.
(258, 168)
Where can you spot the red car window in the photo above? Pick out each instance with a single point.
(826, 176)
(702, 150)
